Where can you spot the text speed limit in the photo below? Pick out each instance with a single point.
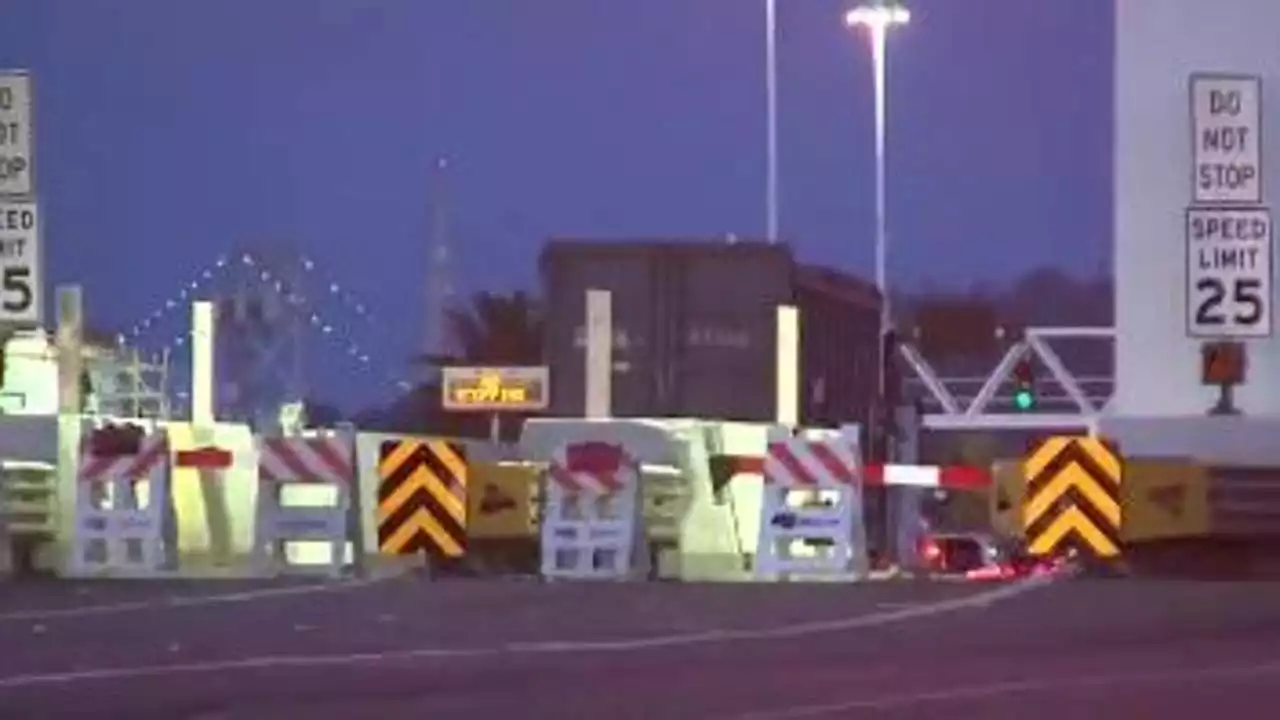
(20, 279)
(1229, 272)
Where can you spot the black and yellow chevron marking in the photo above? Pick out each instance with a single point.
(1073, 496)
(422, 498)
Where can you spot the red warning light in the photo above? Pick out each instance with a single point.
(1023, 372)
(1223, 363)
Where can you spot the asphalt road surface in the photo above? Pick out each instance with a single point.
(1075, 649)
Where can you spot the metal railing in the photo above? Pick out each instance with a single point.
(1071, 406)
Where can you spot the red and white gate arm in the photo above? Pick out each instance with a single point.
(795, 462)
(949, 477)
(315, 459)
(595, 468)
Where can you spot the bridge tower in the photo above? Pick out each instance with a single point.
(262, 320)
(439, 288)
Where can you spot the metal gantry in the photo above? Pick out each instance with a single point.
(974, 413)
(128, 384)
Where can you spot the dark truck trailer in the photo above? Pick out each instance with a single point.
(695, 329)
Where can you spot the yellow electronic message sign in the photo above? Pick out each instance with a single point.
(495, 389)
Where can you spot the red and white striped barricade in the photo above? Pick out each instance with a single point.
(909, 527)
(811, 524)
(120, 531)
(592, 522)
(288, 462)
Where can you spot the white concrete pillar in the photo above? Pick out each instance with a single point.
(599, 360)
(204, 321)
(787, 377)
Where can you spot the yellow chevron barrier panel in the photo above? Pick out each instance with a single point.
(1072, 496)
(422, 498)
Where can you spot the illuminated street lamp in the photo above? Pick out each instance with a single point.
(878, 18)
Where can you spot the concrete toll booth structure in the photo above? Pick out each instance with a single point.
(1197, 95)
(1197, 100)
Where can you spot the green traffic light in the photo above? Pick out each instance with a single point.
(1024, 399)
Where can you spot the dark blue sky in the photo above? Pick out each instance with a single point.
(172, 130)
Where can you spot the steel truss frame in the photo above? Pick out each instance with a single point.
(1035, 342)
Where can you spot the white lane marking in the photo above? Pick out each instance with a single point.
(981, 599)
(898, 605)
(188, 601)
(993, 690)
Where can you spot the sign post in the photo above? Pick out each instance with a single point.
(1229, 235)
(21, 286)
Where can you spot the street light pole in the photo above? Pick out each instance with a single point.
(878, 18)
(771, 118)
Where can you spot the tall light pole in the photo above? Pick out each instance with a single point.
(771, 118)
(878, 17)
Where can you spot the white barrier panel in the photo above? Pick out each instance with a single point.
(811, 522)
(117, 533)
(592, 524)
(303, 461)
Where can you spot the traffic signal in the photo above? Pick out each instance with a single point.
(889, 370)
(1024, 385)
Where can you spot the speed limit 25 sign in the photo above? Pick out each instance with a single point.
(20, 279)
(1229, 270)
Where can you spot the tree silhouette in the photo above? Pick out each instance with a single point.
(321, 414)
(497, 329)
(493, 328)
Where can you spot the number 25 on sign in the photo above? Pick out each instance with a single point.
(20, 285)
(1229, 269)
